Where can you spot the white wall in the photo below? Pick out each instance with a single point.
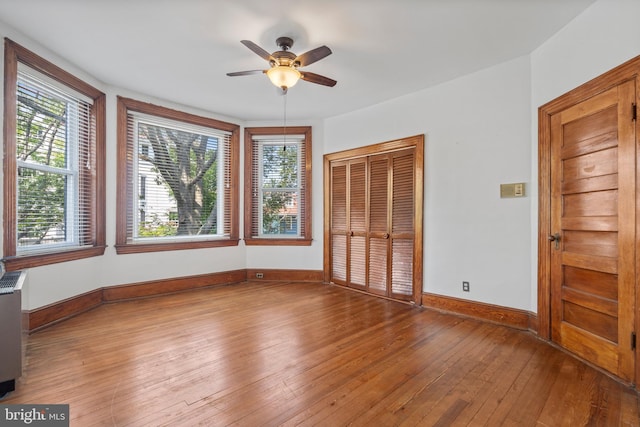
(604, 36)
(481, 130)
(297, 257)
(477, 136)
(52, 283)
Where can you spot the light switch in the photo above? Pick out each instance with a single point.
(512, 190)
(519, 189)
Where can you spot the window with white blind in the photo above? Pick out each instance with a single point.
(278, 186)
(176, 179)
(54, 163)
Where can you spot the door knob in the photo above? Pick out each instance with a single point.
(555, 238)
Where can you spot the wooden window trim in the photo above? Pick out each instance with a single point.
(14, 53)
(306, 238)
(124, 200)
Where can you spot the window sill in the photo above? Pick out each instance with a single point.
(173, 246)
(28, 261)
(277, 242)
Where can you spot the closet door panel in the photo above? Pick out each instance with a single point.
(402, 228)
(379, 194)
(378, 250)
(402, 193)
(339, 259)
(402, 268)
(358, 262)
(357, 209)
(339, 227)
(378, 224)
(357, 196)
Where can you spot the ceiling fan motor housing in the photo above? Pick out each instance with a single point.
(284, 43)
(285, 58)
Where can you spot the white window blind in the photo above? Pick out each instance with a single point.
(55, 165)
(180, 180)
(278, 185)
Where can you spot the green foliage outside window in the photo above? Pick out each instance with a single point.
(185, 166)
(279, 183)
(41, 142)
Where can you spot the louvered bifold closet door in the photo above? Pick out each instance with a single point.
(402, 226)
(373, 203)
(357, 238)
(339, 231)
(379, 224)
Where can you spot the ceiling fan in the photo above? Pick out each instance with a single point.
(284, 65)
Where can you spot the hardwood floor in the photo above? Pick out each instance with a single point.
(299, 353)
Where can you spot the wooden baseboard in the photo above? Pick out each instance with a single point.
(62, 310)
(285, 275)
(507, 316)
(167, 286)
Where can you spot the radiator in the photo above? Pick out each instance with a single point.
(10, 330)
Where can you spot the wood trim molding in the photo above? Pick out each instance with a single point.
(629, 70)
(512, 317)
(65, 309)
(249, 206)
(286, 275)
(62, 310)
(92, 183)
(124, 204)
(167, 286)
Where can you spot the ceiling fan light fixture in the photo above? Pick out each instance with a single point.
(283, 76)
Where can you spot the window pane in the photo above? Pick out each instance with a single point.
(42, 208)
(48, 132)
(280, 212)
(177, 191)
(41, 126)
(280, 166)
(277, 195)
(54, 163)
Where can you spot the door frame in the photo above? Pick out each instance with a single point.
(416, 142)
(630, 70)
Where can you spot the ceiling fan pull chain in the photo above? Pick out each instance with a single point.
(284, 145)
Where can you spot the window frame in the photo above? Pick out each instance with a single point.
(126, 166)
(14, 54)
(305, 237)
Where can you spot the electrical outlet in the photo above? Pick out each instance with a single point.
(259, 275)
(465, 286)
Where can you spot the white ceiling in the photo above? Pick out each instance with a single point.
(181, 50)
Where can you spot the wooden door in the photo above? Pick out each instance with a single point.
(373, 219)
(379, 218)
(390, 237)
(402, 227)
(357, 238)
(592, 255)
(338, 222)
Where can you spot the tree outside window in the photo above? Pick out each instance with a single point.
(53, 164)
(182, 195)
(278, 186)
